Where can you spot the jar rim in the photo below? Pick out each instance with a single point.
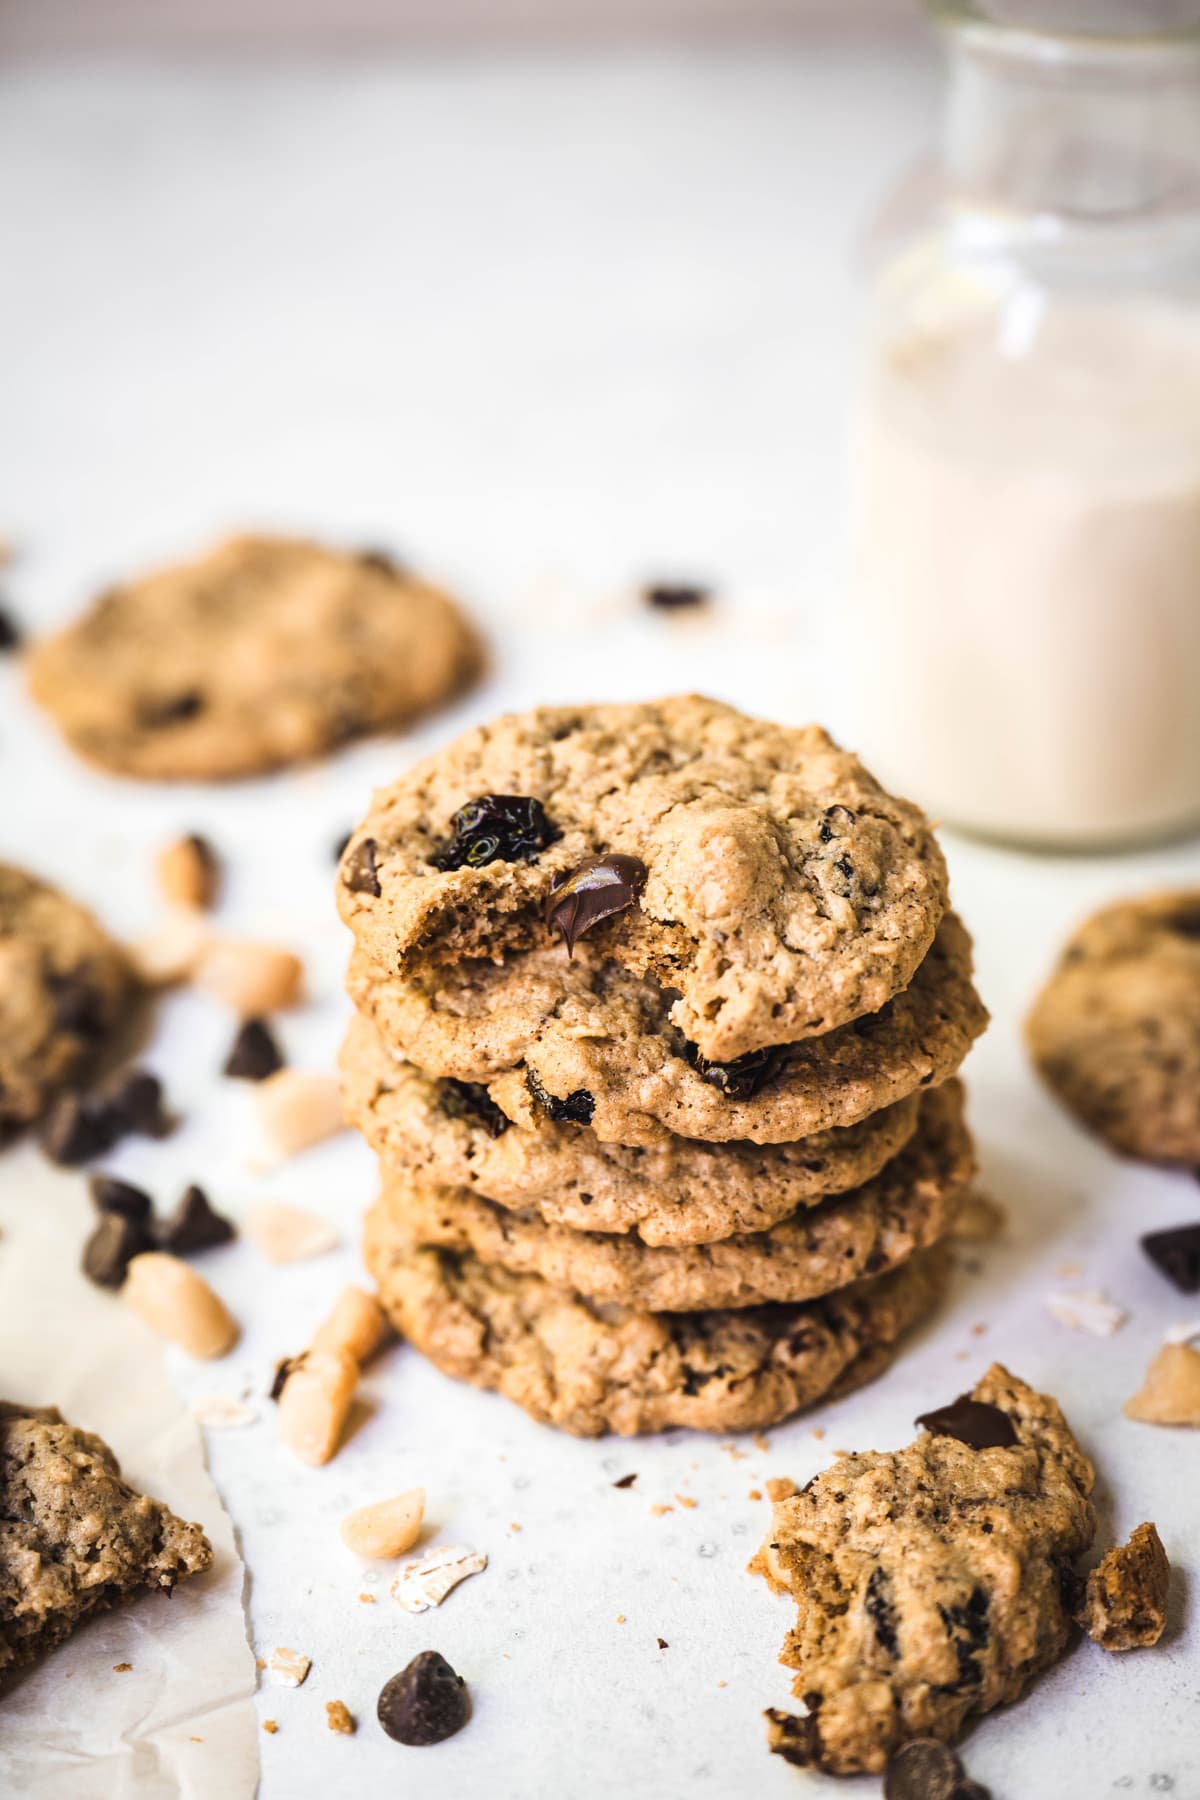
(1075, 32)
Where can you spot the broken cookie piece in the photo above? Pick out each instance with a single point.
(75, 1538)
(1170, 1393)
(931, 1583)
(1124, 1604)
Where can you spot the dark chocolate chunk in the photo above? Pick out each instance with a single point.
(599, 887)
(76, 1129)
(170, 709)
(425, 1703)
(360, 873)
(254, 1054)
(626, 1481)
(969, 1630)
(112, 1246)
(663, 1644)
(471, 1100)
(112, 1196)
(10, 632)
(880, 1610)
(194, 1225)
(495, 828)
(924, 1769)
(1177, 1253)
(576, 1108)
(675, 596)
(136, 1103)
(972, 1422)
(746, 1075)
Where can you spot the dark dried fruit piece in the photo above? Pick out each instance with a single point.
(471, 1100)
(254, 1054)
(360, 872)
(425, 1703)
(575, 1109)
(76, 1129)
(667, 596)
(1177, 1253)
(112, 1196)
(925, 1769)
(194, 1225)
(599, 887)
(972, 1422)
(496, 827)
(111, 1248)
(10, 632)
(746, 1075)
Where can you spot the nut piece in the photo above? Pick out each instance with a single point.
(189, 872)
(288, 1667)
(251, 978)
(286, 1233)
(425, 1583)
(1170, 1394)
(178, 1304)
(314, 1403)
(388, 1528)
(1125, 1601)
(340, 1718)
(172, 952)
(357, 1324)
(298, 1109)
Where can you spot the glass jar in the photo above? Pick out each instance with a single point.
(1025, 541)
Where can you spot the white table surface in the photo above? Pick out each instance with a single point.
(545, 325)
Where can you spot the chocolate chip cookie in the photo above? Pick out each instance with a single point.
(679, 1191)
(75, 1538)
(64, 989)
(910, 1205)
(266, 651)
(1116, 1030)
(593, 1044)
(1124, 1605)
(590, 1368)
(931, 1582)
(757, 875)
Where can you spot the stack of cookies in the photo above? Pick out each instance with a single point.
(659, 1010)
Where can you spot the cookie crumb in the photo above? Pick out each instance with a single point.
(818, 1432)
(620, 1618)
(659, 1508)
(780, 1487)
(762, 1444)
(754, 1494)
(1170, 1393)
(121, 1668)
(733, 1453)
(339, 1718)
(1124, 1604)
(367, 1599)
(686, 1500)
(271, 1726)
(289, 1667)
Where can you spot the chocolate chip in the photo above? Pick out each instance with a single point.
(1177, 1253)
(675, 596)
(626, 1481)
(194, 1225)
(111, 1248)
(10, 631)
(972, 1422)
(663, 1644)
(112, 1196)
(76, 1128)
(360, 872)
(496, 828)
(471, 1100)
(599, 887)
(426, 1703)
(136, 1102)
(922, 1770)
(340, 848)
(576, 1108)
(254, 1054)
(746, 1075)
(971, 1790)
(170, 709)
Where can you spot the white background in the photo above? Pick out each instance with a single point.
(546, 325)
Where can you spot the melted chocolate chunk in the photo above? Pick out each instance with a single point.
(112, 1246)
(576, 1109)
(254, 1053)
(746, 1075)
(10, 632)
(496, 828)
(969, 1629)
(171, 709)
(925, 1769)
(360, 872)
(972, 1422)
(112, 1196)
(880, 1610)
(425, 1703)
(1177, 1253)
(675, 596)
(471, 1100)
(194, 1225)
(599, 887)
